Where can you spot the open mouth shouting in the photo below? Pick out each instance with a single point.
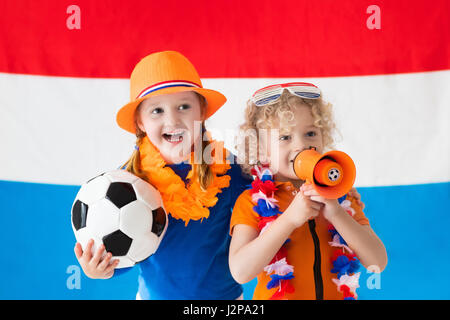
(174, 136)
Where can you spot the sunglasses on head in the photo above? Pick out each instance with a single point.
(271, 94)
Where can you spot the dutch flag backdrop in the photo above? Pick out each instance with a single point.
(64, 70)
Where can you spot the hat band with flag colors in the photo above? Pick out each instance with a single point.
(164, 73)
(166, 84)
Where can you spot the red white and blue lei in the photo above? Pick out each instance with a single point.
(344, 261)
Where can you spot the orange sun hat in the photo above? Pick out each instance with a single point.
(162, 73)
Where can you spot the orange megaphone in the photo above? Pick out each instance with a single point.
(332, 174)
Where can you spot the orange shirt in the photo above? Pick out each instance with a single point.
(300, 250)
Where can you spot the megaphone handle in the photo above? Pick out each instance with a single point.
(318, 282)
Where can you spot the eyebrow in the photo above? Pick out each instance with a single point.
(156, 104)
(185, 100)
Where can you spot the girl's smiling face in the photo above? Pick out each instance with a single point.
(303, 135)
(169, 121)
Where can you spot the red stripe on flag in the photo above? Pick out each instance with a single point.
(231, 38)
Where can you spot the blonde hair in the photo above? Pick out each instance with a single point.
(280, 113)
(133, 165)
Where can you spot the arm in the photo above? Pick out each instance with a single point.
(250, 251)
(360, 238)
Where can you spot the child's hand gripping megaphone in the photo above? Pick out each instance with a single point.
(332, 174)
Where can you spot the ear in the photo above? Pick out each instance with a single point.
(137, 119)
(203, 114)
(139, 124)
(202, 111)
(203, 106)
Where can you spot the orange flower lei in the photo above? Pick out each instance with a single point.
(186, 203)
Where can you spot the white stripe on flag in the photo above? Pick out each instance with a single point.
(62, 130)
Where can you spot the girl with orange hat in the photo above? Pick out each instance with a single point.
(299, 244)
(167, 109)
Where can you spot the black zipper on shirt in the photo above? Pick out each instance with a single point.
(317, 261)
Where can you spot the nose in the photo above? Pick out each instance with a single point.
(298, 150)
(299, 146)
(294, 153)
(171, 117)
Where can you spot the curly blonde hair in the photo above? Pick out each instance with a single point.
(280, 115)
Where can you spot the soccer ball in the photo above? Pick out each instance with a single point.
(334, 174)
(123, 212)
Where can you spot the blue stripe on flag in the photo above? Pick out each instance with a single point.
(38, 243)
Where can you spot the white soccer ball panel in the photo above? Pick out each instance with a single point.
(93, 190)
(148, 194)
(102, 218)
(84, 235)
(121, 176)
(135, 219)
(128, 229)
(143, 247)
(124, 262)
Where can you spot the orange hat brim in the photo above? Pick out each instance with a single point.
(126, 119)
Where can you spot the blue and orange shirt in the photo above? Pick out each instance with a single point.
(300, 250)
(192, 261)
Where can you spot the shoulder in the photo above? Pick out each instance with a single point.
(236, 169)
(245, 198)
(237, 173)
(243, 212)
(239, 181)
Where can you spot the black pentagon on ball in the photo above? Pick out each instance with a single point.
(120, 193)
(79, 214)
(159, 221)
(118, 243)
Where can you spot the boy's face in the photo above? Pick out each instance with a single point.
(169, 121)
(302, 136)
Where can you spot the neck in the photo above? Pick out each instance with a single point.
(177, 160)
